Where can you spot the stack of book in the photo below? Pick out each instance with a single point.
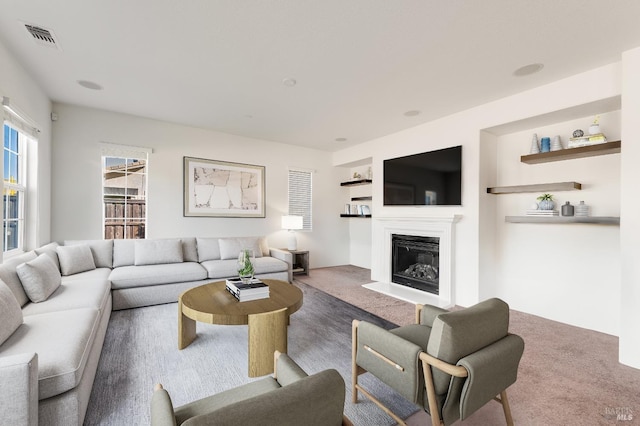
(587, 140)
(254, 290)
(542, 212)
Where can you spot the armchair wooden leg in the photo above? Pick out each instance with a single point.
(505, 407)
(354, 366)
(431, 395)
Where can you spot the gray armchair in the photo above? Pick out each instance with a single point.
(448, 363)
(288, 398)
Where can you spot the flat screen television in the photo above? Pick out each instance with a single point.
(425, 179)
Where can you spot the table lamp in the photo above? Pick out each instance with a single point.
(291, 223)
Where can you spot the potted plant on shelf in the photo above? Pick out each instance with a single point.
(546, 202)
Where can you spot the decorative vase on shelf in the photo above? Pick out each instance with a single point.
(556, 145)
(245, 265)
(545, 144)
(535, 147)
(567, 209)
(594, 129)
(582, 209)
(545, 202)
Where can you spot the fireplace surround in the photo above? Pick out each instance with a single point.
(440, 228)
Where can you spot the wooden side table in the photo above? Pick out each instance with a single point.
(300, 261)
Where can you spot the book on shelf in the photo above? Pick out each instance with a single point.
(587, 140)
(243, 296)
(542, 213)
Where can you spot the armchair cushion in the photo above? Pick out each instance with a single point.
(457, 334)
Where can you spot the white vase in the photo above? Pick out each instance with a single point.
(594, 129)
(535, 145)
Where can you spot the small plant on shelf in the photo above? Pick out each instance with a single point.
(546, 202)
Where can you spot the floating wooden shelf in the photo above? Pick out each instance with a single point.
(355, 215)
(539, 187)
(356, 182)
(572, 153)
(596, 220)
(369, 198)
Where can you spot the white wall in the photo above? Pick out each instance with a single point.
(16, 83)
(475, 277)
(77, 208)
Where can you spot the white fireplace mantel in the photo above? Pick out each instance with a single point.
(434, 226)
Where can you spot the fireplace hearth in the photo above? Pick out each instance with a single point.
(415, 262)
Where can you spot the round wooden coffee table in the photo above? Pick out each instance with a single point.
(267, 318)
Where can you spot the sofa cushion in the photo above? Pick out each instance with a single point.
(10, 313)
(73, 294)
(124, 253)
(155, 252)
(208, 249)
(101, 250)
(230, 247)
(10, 277)
(100, 274)
(140, 276)
(62, 341)
(189, 249)
(40, 277)
(229, 268)
(50, 250)
(75, 259)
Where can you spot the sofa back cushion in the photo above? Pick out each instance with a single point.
(40, 277)
(9, 275)
(208, 249)
(230, 247)
(75, 259)
(50, 250)
(124, 253)
(101, 250)
(154, 252)
(10, 312)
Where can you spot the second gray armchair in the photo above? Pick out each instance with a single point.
(449, 363)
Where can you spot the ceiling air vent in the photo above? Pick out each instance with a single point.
(42, 36)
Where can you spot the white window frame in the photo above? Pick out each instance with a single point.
(19, 186)
(128, 153)
(300, 194)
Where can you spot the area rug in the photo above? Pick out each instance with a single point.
(140, 350)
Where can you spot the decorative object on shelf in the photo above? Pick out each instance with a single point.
(546, 202)
(542, 212)
(223, 189)
(245, 265)
(545, 144)
(556, 144)
(535, 146)
(578, 133)
(365, 209)
(369, 173)
(594, 129)
(587, 140)
(357, 175)
(582, 209)
(291, 223)
(567, 209)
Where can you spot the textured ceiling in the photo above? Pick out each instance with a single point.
(359, 64)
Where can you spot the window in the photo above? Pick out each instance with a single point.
(14, 188)
(300, 196)
(124, 195)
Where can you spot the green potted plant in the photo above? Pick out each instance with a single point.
(245, 266)
(545, 202)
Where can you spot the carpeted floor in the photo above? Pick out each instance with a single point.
(140, 350)
(568, 375)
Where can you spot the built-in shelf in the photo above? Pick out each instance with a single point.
(539, 187)
(356, 182)
(369, 198)
(597, 220)
(355, 215)
(572, 153)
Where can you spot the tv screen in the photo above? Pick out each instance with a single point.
(425, 179)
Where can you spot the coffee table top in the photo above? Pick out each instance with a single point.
(213, 304)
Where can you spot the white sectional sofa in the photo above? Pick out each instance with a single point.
(56, 301)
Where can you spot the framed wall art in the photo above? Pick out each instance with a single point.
(223, 189)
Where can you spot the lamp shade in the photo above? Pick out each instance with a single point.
(291, 222)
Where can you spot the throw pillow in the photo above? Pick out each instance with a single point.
(208, 249)
(75, 259)
(154, 252)
(10, 313)
(230, 247)
(101, 250)
(40, 277)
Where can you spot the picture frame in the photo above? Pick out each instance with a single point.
(214, 188)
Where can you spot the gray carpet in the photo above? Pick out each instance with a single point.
(141, 350)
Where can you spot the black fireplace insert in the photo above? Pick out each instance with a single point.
(415, 262)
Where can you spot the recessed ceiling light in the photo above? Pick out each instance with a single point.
(289, 82)
(341, 139)
(528, 70)
(412, 113)
(89, 85)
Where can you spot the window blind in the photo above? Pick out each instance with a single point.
(300, 195)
